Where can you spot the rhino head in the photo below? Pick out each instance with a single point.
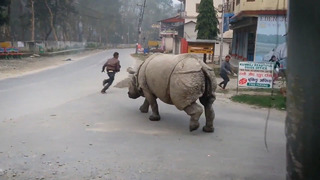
(133, 92)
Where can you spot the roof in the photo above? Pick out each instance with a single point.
(202, 41)
(172, 20)
(190, 22)
(256, 13)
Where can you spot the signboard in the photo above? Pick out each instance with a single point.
(5, 44)
(200, 48)
(257, 75)
(201, 51)
(20, 44)
(271, 38)
(153, 43)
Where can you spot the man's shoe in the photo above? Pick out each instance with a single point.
(220, 86)
(103, 92)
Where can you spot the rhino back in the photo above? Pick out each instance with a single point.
(157, 75)
(187, 83)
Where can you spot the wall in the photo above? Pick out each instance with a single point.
(226, 48)
(190, 34)
(260, 5)
(61, 45)
(168, 43)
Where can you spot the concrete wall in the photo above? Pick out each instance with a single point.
(259, 5)
(226, 48)
(189, 32)
(62, 45)
(168, 43)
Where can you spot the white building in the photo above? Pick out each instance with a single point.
(190, 13)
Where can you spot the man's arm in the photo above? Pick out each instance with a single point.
(231, 69)
(104, 66)
(118, 66)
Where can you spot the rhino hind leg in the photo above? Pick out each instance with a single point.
(152, 100)
(209, 113)
(144, 108)
(194, 111)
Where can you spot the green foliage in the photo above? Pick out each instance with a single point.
(155, 11)
(207, 21)
(102, 21)
(4, 5)
(278, 101)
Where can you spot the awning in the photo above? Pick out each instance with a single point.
(229, 15)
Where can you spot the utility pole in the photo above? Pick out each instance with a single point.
(303, 97)
(221, 33)
(142, 7)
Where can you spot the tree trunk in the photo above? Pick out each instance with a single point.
(32, 21)
(48, 34)
(303, 98)
(51, 21)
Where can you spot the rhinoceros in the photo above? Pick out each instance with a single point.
(178, 80)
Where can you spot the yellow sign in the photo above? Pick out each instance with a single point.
(201, 48)
(5, 44)
(201, 51)
(153, 43)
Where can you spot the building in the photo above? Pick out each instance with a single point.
(259, 29)
(170, 31)
(190, 12)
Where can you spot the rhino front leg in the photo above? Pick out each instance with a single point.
(144, 108)
(152, 100)
(194, 110)
(209, 112)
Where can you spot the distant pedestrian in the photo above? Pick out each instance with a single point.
(224, 71)
(113, 66)
(275, 67)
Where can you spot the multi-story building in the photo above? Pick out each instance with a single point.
(170, 31)
(190, 13)
(259, 29)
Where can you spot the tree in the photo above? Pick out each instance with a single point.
(51, 20)
(4, 15)
(207, 21)
(4, 19)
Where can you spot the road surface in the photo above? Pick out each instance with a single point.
(56, 124)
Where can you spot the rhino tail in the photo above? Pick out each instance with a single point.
(210, 82)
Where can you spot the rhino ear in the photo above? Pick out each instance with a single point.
(130, 70)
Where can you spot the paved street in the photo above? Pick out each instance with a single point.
(56, 124)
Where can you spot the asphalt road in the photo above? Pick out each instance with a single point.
(56, 124)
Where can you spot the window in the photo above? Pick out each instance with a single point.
(251, 0)
(197, 7)
(237, 2)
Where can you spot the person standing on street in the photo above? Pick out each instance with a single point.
(113, 66)
(275, 68)
(224, 71)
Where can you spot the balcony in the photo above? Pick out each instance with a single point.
(259, 5)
